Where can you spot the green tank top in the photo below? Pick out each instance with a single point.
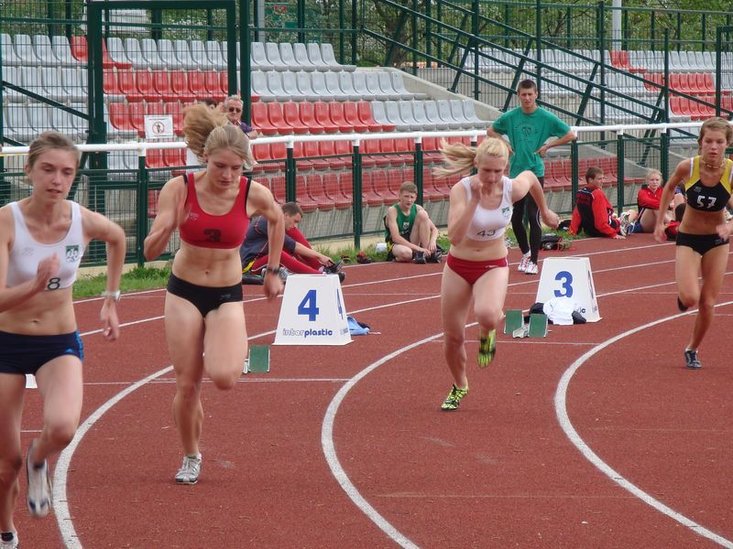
(404, 222)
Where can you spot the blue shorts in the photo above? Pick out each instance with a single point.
(25, 354)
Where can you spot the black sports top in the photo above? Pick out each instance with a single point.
(702, 197)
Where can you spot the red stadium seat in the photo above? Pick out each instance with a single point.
(308, 117)
(380, 184)
(119, 116)
(261, 119)
(302, 197)
(111, 85)
(78, 44)
(179, 85)
(332, 189)
(128, 86)
(154, 159)
(275, 115)
(197, 85)
(299, 155)
(212, 84)
(365, 115)
(145, 86)
(277, 188)
(291, 116)
(137, 117)
(336, 111)
(317, 192)
(162, 84)
(323, 118)
(351, 116)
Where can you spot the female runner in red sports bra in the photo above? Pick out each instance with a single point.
(204, 318)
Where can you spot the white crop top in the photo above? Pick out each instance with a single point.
(27, 253)
(490, 224)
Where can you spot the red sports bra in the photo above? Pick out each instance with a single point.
(215, 231)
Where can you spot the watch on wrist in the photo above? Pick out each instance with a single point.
(115, 296)
(273, 270)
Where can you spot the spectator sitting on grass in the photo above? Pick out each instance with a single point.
(297, 256)
(410, 233)
(594, 214)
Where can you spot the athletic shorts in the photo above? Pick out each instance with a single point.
(25, 354)
(204, 298)
(701, 243)
(471, 271)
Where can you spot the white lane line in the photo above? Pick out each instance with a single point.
(590, 455)
(329, 448)
(60, 501)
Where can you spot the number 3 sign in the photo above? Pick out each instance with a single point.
(569, 277)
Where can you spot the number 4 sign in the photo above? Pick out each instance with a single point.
(569, 277)
(312, 312)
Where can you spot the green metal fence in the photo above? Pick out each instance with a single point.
(594, 64)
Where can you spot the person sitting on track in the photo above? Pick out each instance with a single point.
(204, 319)
(594, 214)
(297, 257)
(702, 243)
(409, 232)
(476, 271)
(42, 241)
(648, 201)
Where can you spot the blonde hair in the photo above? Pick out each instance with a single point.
(716, 124)
(652, 172)
(48, 141)
(207, 131)
(460, 158)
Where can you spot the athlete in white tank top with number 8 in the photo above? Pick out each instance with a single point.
(42, 240)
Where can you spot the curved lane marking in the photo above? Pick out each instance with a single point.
(590, 455)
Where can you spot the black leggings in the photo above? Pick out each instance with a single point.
(535, 229)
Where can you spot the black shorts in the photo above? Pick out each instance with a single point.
(204, 298)
(701, 243)
(25, 354)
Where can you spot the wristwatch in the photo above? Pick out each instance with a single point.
(114, 295)
(273, 270)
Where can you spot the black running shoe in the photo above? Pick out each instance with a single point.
(693, 363)
(419, 257)
(681, 306)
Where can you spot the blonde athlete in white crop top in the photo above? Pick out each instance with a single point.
(490, 224)
(42, 239)
(476, 270)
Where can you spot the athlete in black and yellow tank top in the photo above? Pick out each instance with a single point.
(703, 238)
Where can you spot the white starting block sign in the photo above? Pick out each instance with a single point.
(569, 277)
(312, 312)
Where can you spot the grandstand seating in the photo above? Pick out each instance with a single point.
(304, 90)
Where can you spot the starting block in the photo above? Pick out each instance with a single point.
(513, 319)
(258, 360)
(537, 327)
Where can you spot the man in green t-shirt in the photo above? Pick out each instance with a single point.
(528, 127)
(410, 233)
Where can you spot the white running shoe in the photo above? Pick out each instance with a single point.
(9, 540)
(532, 268)
(190, 470)
(522, 267)
(39, 487)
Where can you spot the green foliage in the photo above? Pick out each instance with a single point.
(139, 278)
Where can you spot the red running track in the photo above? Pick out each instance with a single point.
(596, 436)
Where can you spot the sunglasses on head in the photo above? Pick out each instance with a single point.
(234, 109)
